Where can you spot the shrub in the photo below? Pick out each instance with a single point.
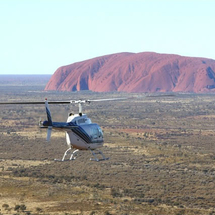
(20, 207)
(5, 206)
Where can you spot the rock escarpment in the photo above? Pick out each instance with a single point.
(136, 72)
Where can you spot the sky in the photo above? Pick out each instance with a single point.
(39, 36)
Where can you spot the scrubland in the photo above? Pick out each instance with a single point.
(161, 150)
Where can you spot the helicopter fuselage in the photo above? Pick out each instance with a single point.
(86, 135)
(81, 133)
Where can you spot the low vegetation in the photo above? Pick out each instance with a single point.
(161, 149)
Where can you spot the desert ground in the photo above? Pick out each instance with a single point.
(161, 150)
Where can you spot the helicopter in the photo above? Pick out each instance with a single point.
(81, 133)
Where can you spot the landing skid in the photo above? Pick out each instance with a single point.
(97, 152)
(73, 155)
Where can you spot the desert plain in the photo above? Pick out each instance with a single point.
(161, 150)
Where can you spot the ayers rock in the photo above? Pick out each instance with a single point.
(137, 72)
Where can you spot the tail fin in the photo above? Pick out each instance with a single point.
(49, 132)
(49, 118)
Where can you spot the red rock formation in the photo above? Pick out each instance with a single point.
(141, 72)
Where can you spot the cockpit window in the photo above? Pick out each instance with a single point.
(100, 132)
(83, 120)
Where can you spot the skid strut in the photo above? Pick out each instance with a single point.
(73, 155)
(97, 152)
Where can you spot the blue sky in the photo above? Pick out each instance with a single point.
(38, 36)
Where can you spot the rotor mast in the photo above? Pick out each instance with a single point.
(80, 102)
(80, 109)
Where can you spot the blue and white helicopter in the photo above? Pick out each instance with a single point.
(81, 133)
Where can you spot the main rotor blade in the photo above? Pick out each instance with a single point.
(60, 102)
(20, 103)
(39, 103)
(100, 100)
